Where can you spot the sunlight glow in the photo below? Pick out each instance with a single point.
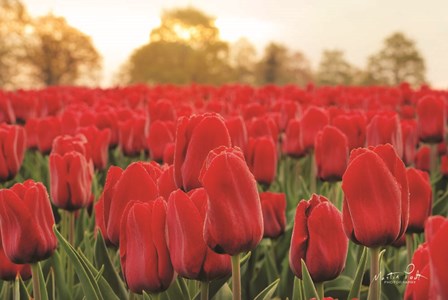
(257, 31)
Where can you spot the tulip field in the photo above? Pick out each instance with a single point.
(231, 192)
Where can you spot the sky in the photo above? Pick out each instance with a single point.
(358, 27)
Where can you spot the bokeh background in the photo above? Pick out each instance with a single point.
(111, 42)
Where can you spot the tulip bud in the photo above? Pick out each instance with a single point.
(292, 144)
(376, 207)
(385, 128)
(313, 120)
(190, 255)
(262, 159)
(331, 149)
(431, 118)
(273, 206)
(26, 222)
(195, 137)
(423, 158)
(98, 143)
(354, 127)
(12, 150)
(234, 220)
(418, 287)
(144, 255)
(420, 204)
(136, 183)
(318, 238)
(161, 134)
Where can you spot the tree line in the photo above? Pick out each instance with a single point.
(186, 48)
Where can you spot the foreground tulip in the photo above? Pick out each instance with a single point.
(195, 137)
(376, 208)
(417, 287)
(438, 247)
(137, 183)
(12, 150)
(26, 222)
(431, 118)
(190, 255)
(420, 204)
(234, 220)
(331, 153)
(233, 199)
(262, 159)
(273, 206)
(318, 238)
(9, 271)
(145, 259)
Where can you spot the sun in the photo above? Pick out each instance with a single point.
(257, 31)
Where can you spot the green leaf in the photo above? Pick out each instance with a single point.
(88, 283)
(59, 276)
(106, 290)
(268, 291)
(110, 274)
(24, 294)
(297, 289)
(357, 281)
(308, 285)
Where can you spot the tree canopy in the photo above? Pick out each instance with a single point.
(398, 61)
(334, 69)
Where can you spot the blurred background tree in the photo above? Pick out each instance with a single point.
(14, 23)
(185, 48)
(243, 57)
(60, 54)
(399, 60)
(334, 69)
(279, 66)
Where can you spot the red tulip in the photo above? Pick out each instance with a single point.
(131, 135)
(160, 135)
(273, 206)
(420, 204)
(98, 142)
(6, 111)
(410, 140)
(237, 131)
(419, 275)
(161, 110)
(136, 183)
(168, 154)
(331, 153)
(262, 159)
(292, 144)
(43, 132)
(376, 207)
(9, 271)
(385, 128)
(313, 120)
(438, 247)
(145, 259)
(195, 137)
(444, 165)
(234, 220)
(190, 255)
(166, 182)
(12, 150)
(431, 118)
(71, 172)
(354, 127)
(318, 238)
(26, 222)
(423, 158)
(262, 126)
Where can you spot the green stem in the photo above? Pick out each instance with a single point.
(131, 296)
(204, 290)
(36, 283)
(71, 240)
(236, 277)
(313, 173)
(375, 276)
(17, 288)
(410, 246)
(320, 289)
